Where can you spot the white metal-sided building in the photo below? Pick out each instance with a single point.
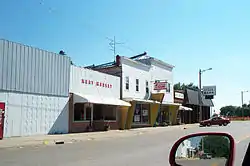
(34, 90)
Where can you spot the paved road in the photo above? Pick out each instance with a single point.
(211, 162)
(144, 149)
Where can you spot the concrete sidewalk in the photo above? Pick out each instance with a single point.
(79, 137)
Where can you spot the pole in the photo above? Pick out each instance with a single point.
(200, 99)
(114, 48)
(202, 144)
(242, 111)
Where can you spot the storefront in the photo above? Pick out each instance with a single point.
(142, 113)
(184, 112)
(95, 103)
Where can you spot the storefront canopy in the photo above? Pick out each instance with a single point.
(192, 96)
(80, 98)
(185, 108)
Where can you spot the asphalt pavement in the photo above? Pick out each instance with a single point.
(149, 148)
(207, 162)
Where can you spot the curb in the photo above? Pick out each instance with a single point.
(82, 137)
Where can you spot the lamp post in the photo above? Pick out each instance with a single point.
(199, 94)
(242, 101)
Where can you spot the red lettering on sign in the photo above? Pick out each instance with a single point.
(110, 86)
(89, 81)
(83, 81)
(86, 81)
(97, 83)
(103, 84)
(92, 82)
(100, 84)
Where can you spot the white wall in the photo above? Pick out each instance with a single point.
(159, 73)
(27, 114)
(79, 73)
(182, 149)
(134, 71)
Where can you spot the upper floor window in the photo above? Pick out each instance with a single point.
(147, 89)
(137, 85)
(127, 83)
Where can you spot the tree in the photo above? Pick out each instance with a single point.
(179, 86)
(235, 111)
(217, 146)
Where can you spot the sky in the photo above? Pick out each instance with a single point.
(190, 34)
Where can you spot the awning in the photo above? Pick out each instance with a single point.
(185, 108)
(141, 100)
(174, 104)
(80, 98)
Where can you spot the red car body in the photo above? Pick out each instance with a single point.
(215, 121)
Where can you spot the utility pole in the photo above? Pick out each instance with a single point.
(242, 101)
(112, 44)
(200, 99)
(200, 93)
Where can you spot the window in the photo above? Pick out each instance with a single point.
(141, 114)
(104, 112)
(127, 83)
(168, 87)
(82, 112)
(147, 89)
(137, 85)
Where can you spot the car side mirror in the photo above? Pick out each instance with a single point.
(203, 149)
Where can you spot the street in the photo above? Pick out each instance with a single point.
(213, 162)
(144, 149)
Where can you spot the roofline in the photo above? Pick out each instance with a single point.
(162, 63)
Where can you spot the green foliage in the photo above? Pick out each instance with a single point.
(183, 86)
(217, 146)
(235, 111)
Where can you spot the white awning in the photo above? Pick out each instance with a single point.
(175, 104)
(185, 108)
(141, 100)
(80, 98)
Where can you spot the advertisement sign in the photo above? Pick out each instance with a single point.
(209, 90)
(160, 85)
(179, 95)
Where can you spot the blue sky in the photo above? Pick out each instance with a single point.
(189, 34)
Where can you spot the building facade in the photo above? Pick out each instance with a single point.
(147, 84)
(34, 87)
(95, 101)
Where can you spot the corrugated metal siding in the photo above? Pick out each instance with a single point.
(32, 70)
(28, 114)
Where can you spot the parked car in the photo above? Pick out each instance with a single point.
(215, 121)
(206, 156)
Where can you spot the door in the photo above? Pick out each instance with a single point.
(2, 109)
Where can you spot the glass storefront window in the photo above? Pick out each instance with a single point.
(141, 114)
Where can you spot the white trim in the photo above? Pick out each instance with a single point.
(141, 100)
(175, 104)
(185, 108)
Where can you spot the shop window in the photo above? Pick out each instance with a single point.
(104, 112)
(127, 83)
(81, 113)
(141, 114)
(168, 87)
(147, 89)
(137, 85)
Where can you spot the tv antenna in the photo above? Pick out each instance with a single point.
(112, 45)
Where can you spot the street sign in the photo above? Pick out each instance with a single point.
(209, 90)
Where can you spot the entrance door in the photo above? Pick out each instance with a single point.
(2, 108)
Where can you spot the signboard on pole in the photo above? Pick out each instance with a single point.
(209, 90)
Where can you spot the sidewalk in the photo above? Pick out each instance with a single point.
(79, 137)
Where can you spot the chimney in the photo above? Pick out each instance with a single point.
(118, 60)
